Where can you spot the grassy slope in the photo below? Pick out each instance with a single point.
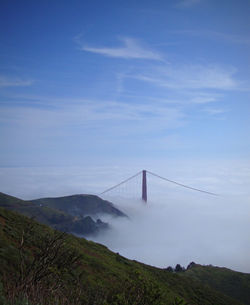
(47, 215)
(234, 284)
(80, 204)
(103, 270)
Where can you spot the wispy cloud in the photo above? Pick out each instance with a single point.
(187, 3)
(131, 49)
(90, 126)
(14, 82)
(100, 115)
(204, 98)
(191, 77)
(219, 36)
(215, 111)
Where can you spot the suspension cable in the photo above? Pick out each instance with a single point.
(124, 181)
(183, 185)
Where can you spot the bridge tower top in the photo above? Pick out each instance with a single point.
(144, 185)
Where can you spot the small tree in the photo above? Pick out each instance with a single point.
(179, 268)
(44, 269)
(192, 264)
(169, 269)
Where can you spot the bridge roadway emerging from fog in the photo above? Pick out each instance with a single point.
(143, 175)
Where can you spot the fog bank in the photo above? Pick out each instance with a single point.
(181, 229)
(177, 225)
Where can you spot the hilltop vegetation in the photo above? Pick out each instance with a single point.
(68, 214)
(45, 267)
(234, 284)
(80, 205)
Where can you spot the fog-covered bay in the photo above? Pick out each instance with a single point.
(175, 226)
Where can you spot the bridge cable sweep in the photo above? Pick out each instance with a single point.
(144, 184)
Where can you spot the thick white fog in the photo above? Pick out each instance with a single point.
(183, 229)
(176, 225)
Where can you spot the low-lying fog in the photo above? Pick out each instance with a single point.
(181, 229)
(177, 225)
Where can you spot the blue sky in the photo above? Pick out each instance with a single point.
(105, 82)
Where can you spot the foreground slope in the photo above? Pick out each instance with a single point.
(46, 267)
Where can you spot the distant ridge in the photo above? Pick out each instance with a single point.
(72, 216)
(81, 204)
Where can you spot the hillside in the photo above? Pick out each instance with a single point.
(234, 284)
(57, 219)
(48, 267)
(80, 205)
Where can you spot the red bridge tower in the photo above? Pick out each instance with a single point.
(144, 185)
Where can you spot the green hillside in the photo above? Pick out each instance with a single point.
(234, 284)
(57, 219)
(45, 267)
(80, 205)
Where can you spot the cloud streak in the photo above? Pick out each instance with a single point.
(218, 36)
(14, 82)
(187, 3)
(131, 49)
(191, 77)
(86, 114)
(214, 111)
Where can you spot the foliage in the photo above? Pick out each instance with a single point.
(179, 268)
(55, 217)
(234, 284)
(80, 205)
(42, 266)
(43, 276)
(169, 269)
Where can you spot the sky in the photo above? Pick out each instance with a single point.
(92, 92)
(87, 82)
